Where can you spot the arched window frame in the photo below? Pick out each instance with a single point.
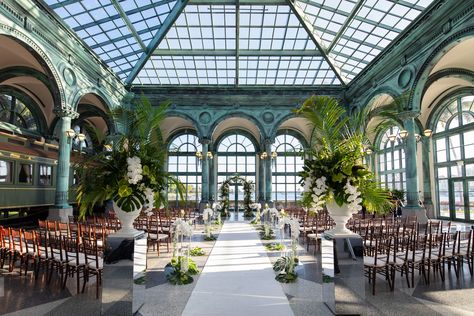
(453, 156)
(391, 160)
(244, 155)
(286, 189)
(25, 109)
(184, 165)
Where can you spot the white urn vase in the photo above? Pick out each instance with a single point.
(340, 215)
(126, 221)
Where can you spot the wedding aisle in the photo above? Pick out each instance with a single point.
(238, 278)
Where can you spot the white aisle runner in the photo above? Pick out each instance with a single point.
(238, 278)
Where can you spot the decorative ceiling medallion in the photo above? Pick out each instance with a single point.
(69, 76)
(405, 77)
(205, 118)
(268, 117)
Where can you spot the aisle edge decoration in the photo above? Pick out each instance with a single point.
(207, 215)
(285, 265)
(181, 268)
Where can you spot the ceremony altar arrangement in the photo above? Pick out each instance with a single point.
(129, 172)
(336, 180)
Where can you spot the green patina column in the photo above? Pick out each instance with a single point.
(427, 199)
(411, 207)
(205, 171)
(212, 179)
(62, 209)
(268, 170)
(261, 179)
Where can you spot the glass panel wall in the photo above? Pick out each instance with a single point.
(391, 161)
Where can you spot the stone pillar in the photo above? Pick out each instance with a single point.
(205, 171)
(261, 179)
(427, 199)
(62, 209)
(268, 171)
(411, 207)
(212, 179)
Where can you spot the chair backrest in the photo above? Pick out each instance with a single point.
(71, 248)
(16, 240)
(29, 241)
(91, 253)
(55, 244)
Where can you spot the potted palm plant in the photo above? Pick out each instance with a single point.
(130, 168)
(334, 175)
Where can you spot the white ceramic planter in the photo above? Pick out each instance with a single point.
(126, 220)
(340, 215)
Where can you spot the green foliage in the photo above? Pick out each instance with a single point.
(274, 247)
(224, 194)
(285, 267)
(176, 276)
(210, 238)
(196, 252)
(337, 152)
(103, 175)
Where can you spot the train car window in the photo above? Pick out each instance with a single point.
(6, 175)
(26, 173)
(44, 175)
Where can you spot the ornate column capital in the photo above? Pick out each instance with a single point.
(269, 141)
(408, 115)
(66, 112)
(205, 141)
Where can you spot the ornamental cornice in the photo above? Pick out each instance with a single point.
(66, 112)
(205, 141)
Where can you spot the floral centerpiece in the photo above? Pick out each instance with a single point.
(207, 217)
(256, 206)
(128, 167)
(285, 265)
(334, 174)
(217, 208)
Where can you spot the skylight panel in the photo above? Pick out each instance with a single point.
(374, 26)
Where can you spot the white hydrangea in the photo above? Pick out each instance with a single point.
(134, 170)
(207, 214)
(354, 201)
(182, 228)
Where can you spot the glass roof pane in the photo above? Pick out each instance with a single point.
(202, 27)
(101, 26)
(375, 25)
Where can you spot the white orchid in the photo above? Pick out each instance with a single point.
(207, 214)
(150, 199)
(353, 201)
(134, 170)
(183, 228)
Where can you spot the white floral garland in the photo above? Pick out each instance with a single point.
(294, 225)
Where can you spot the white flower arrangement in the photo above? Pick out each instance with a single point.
(216, 206)
(255, 206)
(354, 201)
(294, 225)
(274, 212)
(134, 170)
(207, 214)
(182, 228)
(150, 199)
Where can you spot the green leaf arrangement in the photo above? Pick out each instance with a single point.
(285, 267)
(196, 252)
(337, 152)
(103, 175)
(175, 276)
(274, 247)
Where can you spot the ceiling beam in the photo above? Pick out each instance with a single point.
(408, 4)
(233, 52)
(129, 24)
(345, 25)
(300, 14)
(234, 2)
(237, 41)
(159, 36)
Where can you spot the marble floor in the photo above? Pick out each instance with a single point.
(236, 277)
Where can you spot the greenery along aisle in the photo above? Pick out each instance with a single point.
(224, 195)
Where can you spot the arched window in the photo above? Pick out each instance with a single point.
(236, 155)
(15, 112)
(391, 161)
(454, 159)
(285, 167)
(183, 164)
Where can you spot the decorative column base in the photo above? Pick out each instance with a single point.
(60, 214)
(420, 213)
(123, 281)
(343, 290)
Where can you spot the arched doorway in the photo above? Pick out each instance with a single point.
(231, 199)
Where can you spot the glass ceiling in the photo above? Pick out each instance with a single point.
(249, 42)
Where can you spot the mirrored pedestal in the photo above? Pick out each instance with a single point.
(123, 283)
(341, 260)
